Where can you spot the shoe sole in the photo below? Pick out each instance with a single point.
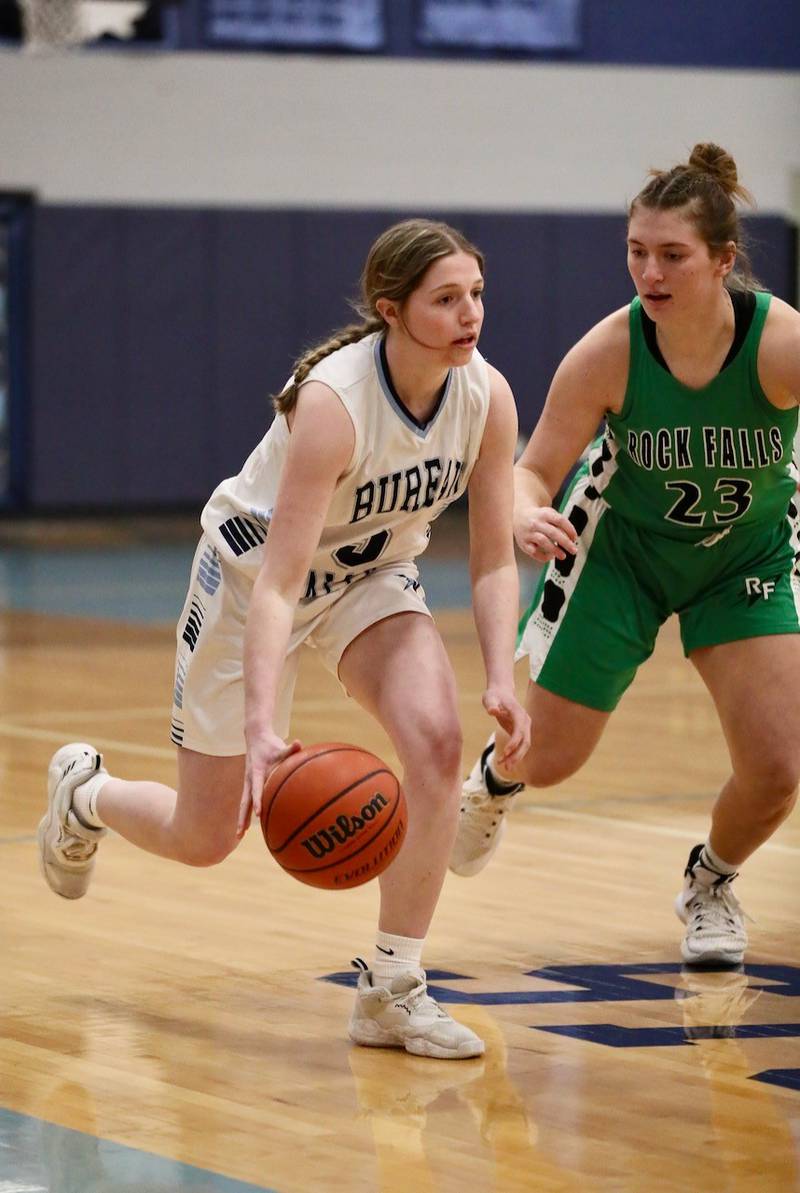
(470, 869)
(41, 836)
(51, 818)
(713, 957)
(420, 1047)
(468, 1050)
(372, 1036)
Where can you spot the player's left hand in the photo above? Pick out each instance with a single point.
(512, 717)
(264, 751)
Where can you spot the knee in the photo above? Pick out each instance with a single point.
(204, 850)
(444, 747)
(436, 750)
(777, 782)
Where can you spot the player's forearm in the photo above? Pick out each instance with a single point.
(530, 491)
(495, 606)
(269, 625)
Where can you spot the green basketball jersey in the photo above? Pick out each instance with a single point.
(690, 463)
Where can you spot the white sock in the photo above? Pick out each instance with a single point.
(710, 868)
(84, 800)
(395, 955)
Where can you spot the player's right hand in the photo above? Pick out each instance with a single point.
(264, 751)
(545, 534)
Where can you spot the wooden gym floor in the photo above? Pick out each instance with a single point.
(185, 1029)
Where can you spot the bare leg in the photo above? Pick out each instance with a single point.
(195, 825)
(563, 736)
(755, 685)
(398, 670)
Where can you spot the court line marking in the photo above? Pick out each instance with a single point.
(141, 713)
(162, 710)
(106, 743)
(656, 830)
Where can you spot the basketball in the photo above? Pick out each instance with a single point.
(333, 815)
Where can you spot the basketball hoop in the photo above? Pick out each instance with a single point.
(51, 24)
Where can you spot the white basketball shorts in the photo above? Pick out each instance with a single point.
(208, 698)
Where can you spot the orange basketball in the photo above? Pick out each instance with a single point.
(333, 815)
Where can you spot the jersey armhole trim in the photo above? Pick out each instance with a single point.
(635, 338)
(763, 301)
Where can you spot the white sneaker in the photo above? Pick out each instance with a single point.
(67, 847)
(481, 825)
(715, 931)
(405, 1016)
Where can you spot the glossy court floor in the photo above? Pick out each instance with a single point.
(185, 1029)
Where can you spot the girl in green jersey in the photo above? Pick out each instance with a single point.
(686, 504)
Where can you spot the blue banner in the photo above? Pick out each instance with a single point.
(500, 24)
(15, 258)
(312, 24)
(5, 371)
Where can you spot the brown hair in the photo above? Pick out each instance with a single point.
(394, 268)
(708, 185)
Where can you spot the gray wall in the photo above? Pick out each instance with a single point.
(267, 131)
(201, 217)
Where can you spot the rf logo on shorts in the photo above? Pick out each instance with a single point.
(757, 588)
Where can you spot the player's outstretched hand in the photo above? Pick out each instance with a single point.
(264, 752)
(545, 534)
(511, 716)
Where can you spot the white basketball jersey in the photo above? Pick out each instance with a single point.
(400, 478)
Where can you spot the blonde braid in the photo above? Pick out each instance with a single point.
(286, 400)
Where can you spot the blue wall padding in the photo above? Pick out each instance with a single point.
(157, 334)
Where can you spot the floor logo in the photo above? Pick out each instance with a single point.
(713, 1002)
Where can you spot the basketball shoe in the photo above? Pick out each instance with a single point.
(67, 847)
(481, 825)
(403, 1015)
(714, 919)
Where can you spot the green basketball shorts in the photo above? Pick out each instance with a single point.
(595, 616)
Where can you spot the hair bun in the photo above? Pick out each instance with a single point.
(718, 163)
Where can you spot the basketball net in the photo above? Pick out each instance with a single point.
(51, 24)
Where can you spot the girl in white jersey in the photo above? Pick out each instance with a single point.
(688, 505)
(378, 430)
